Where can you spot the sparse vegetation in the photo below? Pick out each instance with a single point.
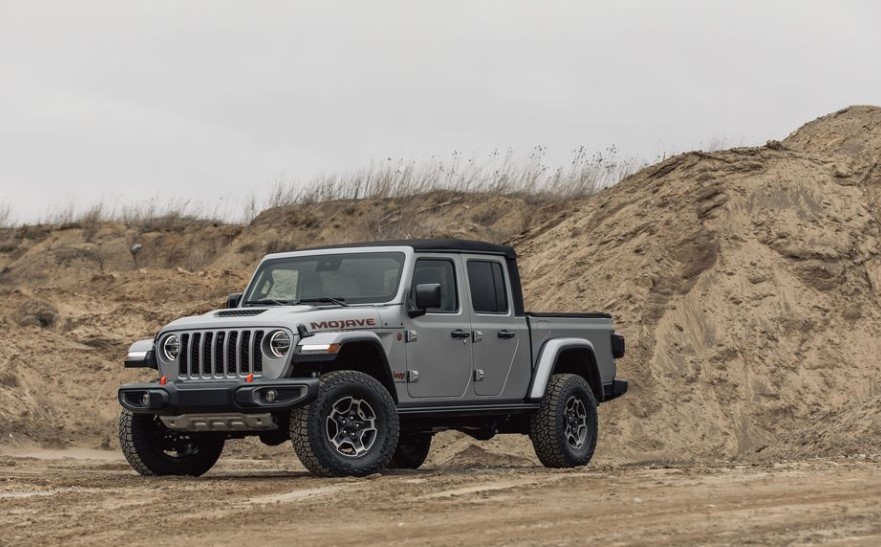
(499, 173)
(148, 216)
(5, 215)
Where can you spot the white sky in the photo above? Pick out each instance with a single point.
(124, 101)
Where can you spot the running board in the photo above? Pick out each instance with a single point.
(468, 410)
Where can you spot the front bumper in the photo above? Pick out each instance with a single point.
(217, 396)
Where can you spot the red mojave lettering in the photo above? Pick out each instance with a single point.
(343, 324)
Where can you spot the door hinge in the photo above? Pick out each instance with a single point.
(412, 376)
(412, 336)
(477, 336)
(478, 375)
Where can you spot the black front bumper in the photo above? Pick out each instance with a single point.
(217, 396)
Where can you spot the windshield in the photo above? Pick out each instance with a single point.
(355, 278)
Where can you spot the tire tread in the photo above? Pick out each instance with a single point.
(308, 448)
(138, 451)
(544, 431)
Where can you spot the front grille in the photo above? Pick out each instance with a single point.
(221, 354)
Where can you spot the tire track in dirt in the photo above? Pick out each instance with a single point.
(78, 502)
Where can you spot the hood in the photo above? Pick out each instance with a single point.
(315, 318)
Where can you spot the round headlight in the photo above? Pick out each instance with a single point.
(279, 343)
(171, 347)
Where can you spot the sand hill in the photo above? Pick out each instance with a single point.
(747, 282)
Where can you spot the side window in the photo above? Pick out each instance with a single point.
(438, 270)
(487, 282)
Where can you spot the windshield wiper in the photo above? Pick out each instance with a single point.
(324, 300)
(269, 301)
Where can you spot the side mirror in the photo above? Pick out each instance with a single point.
(428, 296)
(232, 301)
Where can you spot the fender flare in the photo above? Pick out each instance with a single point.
(547, 360)
(330, 338)
(344, 338)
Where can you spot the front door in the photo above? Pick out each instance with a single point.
(439, 342)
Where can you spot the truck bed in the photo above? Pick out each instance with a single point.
(596, 327)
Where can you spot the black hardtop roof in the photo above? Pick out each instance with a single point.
(435, 245)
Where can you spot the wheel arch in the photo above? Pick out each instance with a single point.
(566, 356)
(367, 356)
(360, 351)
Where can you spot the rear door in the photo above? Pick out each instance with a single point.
(439, 346)
(499, 338)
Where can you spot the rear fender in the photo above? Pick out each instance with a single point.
(549, 359)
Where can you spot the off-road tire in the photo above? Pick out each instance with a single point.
(412, 451)
(140, 436)
(548, 426)
(310, 423)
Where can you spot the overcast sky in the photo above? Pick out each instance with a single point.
(123, 101)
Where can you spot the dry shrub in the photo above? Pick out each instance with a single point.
(5, 215)
(499, 173)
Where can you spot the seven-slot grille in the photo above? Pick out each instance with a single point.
(232, 353)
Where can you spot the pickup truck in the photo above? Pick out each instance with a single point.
(359, 354)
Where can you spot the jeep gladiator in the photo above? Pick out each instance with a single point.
(359, 354)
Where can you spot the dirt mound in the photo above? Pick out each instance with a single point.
(472, 455)
(852, 430)
(747, 283)
(433, 215)
(453, 450)
(851, 132)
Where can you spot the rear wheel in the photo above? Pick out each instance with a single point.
(564, 430)
(152, 449)
(350, 429)
(412, 451)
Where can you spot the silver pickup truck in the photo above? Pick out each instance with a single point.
(359, 354)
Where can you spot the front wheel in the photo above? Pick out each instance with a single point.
(350, 429)
(152, 449)
(564, 430)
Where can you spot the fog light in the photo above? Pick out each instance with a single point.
(145, 399)
(271, 395)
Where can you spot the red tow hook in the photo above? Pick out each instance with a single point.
(163, 380)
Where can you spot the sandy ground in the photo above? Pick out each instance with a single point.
(92, 497)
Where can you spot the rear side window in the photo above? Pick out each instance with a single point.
(487, 282)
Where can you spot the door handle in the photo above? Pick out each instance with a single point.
(461, 334)
(504, 334)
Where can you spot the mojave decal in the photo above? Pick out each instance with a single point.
(343, 324)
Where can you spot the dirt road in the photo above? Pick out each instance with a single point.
(75, 498)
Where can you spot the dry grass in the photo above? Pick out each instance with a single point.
(498, 173)
(146, 216)
(6, 219)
